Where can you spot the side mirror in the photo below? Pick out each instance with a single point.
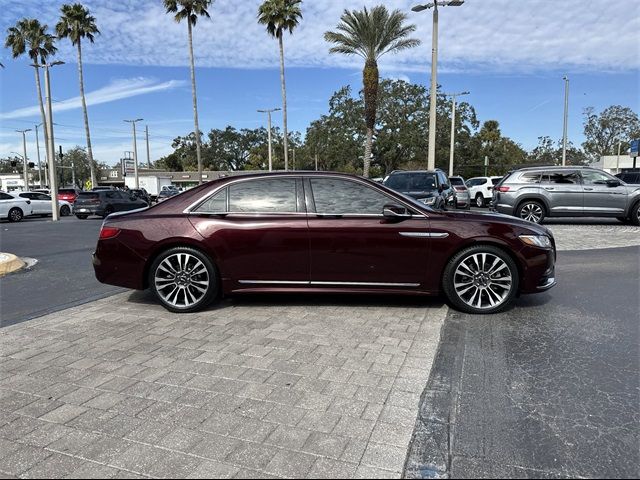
(613, 183)
(395, 212)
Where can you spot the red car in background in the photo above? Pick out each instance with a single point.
(296, 232)
(68, 194)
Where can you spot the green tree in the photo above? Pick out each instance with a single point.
(280, 16)
(371, 34)
(549, 153)
(30, 36)
(191, 10)
(75, 24)
(83, 166)
(603, 131)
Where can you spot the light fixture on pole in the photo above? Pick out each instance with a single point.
(135, 150)
(268, 112)
(51, 152)
(433, 92)
(453, 126)
(25, 171)
(566, 118)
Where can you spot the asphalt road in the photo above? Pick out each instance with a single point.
(63, 276)
(548, 389)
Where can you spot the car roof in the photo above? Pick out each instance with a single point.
(555, 167)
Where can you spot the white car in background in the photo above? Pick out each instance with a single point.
(481, 189)
(41, 204)
(13, 207)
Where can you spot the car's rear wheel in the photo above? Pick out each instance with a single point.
(183, 279)
(65, 211)
(479, 200)
(15, 214)
(532, 211)
(480, 279)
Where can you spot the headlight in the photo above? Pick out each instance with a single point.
(541, 241)
(428, 201)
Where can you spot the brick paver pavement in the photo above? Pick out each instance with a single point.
(121, 388)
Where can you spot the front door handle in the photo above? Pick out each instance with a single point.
(588, 189)
(549, 188)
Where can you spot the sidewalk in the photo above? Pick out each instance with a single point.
(121, 388)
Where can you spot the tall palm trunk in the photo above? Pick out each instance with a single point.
(195, 103)
(44, 117)
(370, 80)
(94, 181)
(284, 105)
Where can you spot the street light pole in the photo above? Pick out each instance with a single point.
(51, 149)
(453, 126)
(46, 163)
(25, 171)
(146, 129)
(39, 163)
(268, 112)
(433, 92)
(135, 150)
(566, 118)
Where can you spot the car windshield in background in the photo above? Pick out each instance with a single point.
(411, 182)
(496, 181)
(456, 181)
(66, 190)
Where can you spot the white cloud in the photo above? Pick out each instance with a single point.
(116, 90)
(481, 35)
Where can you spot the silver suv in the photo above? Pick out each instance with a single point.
(537, 192)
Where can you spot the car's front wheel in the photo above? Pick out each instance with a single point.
(532, 211)
(183, 279)
(635, 214)
(15, 214)
(480, 279)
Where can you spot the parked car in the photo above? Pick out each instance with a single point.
(141, 194)
(463, 198)
(13, 207)
(41, 204)
(428, 186)
(630, 177)
(166, 193)
(320, 232)
(538, 192)
(68, 194)
(103, 188)
(105, 202)
(481, 189)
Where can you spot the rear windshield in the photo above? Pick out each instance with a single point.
(496, 181)
(87, 195)
(66, 190)
(406, 182)
(456, 181)
(503, 179)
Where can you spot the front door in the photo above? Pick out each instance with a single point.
(259, 227)
(353, 245)
(564, 192)
(602, 198)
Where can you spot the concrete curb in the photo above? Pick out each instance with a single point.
(10, 263)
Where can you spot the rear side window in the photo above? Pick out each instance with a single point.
(215, 204)
(474, 182)
(560, 178)
(530, 177)
(273, 195)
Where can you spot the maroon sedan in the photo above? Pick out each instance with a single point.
(319, 232)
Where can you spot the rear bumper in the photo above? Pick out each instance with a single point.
(116, 264)
(88, 210)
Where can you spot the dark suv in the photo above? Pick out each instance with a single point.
(105, 202)
(632, 177)
(431, 187)
(537, 192)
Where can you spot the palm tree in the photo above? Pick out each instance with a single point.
(191, 10)
(371, 34)
(75, 24)
(30, 36)
(278, 16)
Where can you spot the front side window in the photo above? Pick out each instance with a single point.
(4, 196)
(590, 177)
(442, 178)
(335, 196)
(560, 178)
(272, 195)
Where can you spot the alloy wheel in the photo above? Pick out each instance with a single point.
(15, 215)
(182, 280)
(483, 281)
(531, 212)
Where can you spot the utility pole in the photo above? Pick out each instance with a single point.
(316, 160)
(146, 129)
(486, 165)
(268, 112)
(51, 153)
(618, 159)
(25, 171)
(453, 127)
(39, 163)
(135, 150)
(294, 158)
(566, 117)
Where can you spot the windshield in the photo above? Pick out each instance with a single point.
(456, 181)
(407, 182)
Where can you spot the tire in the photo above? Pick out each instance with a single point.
(634, 217)
(65, 211)
(479, 200)
(176, 288)
(531, 210)
(481, 279)
(82, 217)
(108, 211)
(15, 214)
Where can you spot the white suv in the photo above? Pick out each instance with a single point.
(13, 207)
(481, 189)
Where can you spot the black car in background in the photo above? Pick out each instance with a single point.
(105, 202)
(632, 177)
(141, 194)
(431, 187)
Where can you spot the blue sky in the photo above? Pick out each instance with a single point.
(510, 54)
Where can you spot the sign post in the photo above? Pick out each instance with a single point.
(635, 146)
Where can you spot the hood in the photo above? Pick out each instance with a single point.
(498, 218)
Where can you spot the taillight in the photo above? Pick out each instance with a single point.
(109, 232)
(502, 189)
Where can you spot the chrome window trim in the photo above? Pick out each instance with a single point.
(298, 282)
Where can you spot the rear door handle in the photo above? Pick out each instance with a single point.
(549, 188)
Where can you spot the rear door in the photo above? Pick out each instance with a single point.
(563, 190)
(601, 198)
